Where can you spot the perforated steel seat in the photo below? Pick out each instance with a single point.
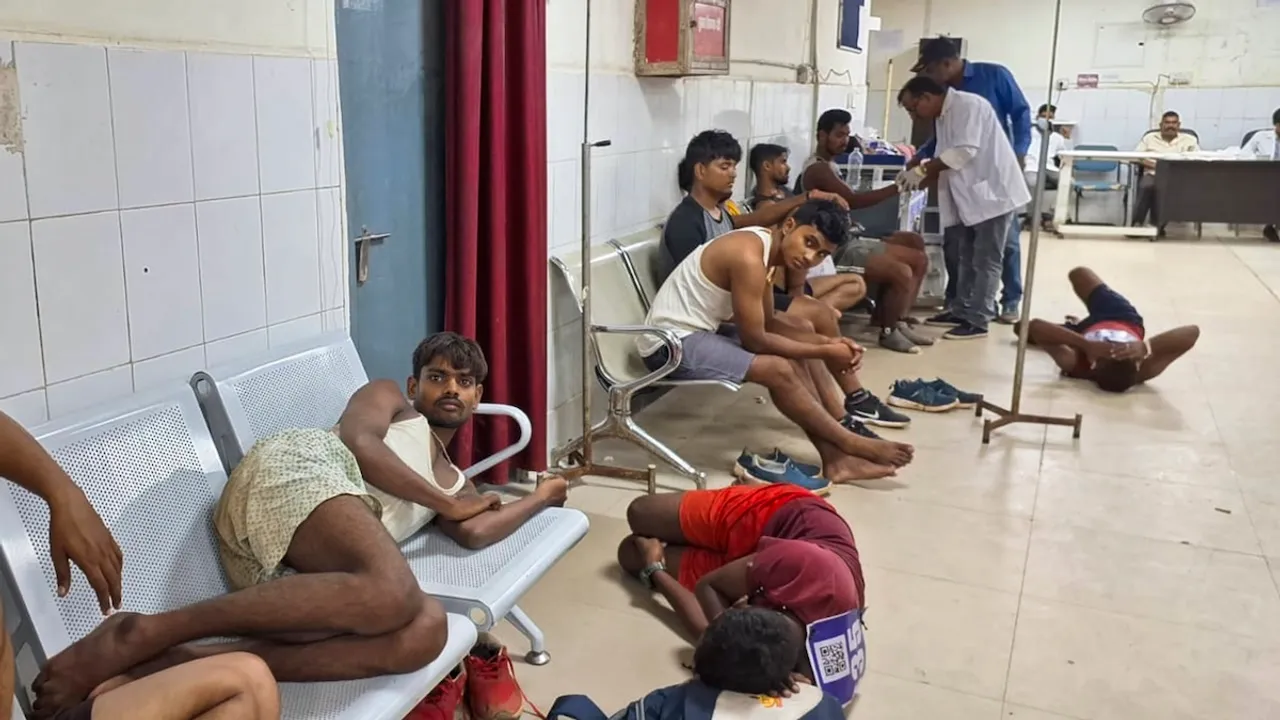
(150, 469)
(309, 386)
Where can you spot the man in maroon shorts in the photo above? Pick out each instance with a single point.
(774, 546)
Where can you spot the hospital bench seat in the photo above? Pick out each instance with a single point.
(149, 467)
(308, 386)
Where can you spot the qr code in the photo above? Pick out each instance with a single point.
(833, 659)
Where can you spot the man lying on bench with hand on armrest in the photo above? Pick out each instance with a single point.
(308, 527)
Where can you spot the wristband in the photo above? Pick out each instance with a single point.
(646, 575)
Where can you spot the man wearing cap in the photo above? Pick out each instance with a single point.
(940, 59)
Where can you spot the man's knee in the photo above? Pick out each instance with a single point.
(421, 641)
(392, 597)
(795, 318)
(915, 241)
(249, 675)
(775, 373)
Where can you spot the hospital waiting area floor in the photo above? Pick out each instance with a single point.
(1127, 575)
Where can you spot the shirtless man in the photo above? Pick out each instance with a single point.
(896, 263)
(840, 291)
(236, 684)
(810, 376)
(776, 546)
(1109, 346)
(330, 506)
(710, 170)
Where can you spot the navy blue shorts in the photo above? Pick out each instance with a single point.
(782, 301)
(1107, 305)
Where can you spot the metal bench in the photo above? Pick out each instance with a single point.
(309, 386)
(149, 468)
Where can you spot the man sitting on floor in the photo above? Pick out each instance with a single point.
(710, 168)
(840, 291)
(811, 376)
(236, 685)
(897, 263)
(1109, 346)
(774, 546)
(308, 527)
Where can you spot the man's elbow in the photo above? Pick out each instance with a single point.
(754, 344)
(471, 536)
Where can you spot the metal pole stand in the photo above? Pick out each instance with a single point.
(1014, 413)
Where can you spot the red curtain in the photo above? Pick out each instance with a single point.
(496, 211)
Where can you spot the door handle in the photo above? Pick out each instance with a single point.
(362, 252)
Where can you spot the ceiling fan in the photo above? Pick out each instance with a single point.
(1169, 13)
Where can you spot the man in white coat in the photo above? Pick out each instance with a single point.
(980, 189)
(1265, 145)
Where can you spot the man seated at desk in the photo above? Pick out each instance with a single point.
(1168, 141)
(1266, 146)
(1059, 137)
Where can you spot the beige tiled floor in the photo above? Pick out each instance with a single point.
(1125, 575)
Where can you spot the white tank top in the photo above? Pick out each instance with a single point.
(411, 440)
(688, 302)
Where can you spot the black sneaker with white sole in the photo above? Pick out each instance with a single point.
(857, 427)
(868, 408)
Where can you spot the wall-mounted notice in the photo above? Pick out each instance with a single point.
(1087, 80)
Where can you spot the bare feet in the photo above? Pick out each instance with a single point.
(885, 452)
(109, 651)
(851, 469)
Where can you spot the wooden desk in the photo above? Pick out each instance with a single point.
(1244, 192)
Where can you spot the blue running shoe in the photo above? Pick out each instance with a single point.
(963, 399)
(752, 468)
(780, 457)
(920, 395)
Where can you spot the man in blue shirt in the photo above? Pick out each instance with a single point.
(940, 60)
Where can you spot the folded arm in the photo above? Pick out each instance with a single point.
(748, 282)
(1165, 348)
(820, 176)
(488, 528)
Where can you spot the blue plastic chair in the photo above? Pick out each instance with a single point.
(1103, 184)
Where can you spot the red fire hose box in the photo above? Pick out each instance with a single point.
(682, 37)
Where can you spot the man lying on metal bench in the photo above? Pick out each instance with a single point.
(308, 527)
(237, 684)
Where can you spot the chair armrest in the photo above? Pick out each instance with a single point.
(526, 432)
(850, 270)
(675, 352)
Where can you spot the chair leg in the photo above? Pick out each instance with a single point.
(629, 430)
(538, 654)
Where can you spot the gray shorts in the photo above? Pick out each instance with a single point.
(857, 251)
(708, 356)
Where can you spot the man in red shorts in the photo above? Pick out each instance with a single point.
(774, 546)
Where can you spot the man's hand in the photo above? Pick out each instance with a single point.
(914, 161)
(1129, 351)
(1096, 350)
(792, 687)
(77, 535)
(553, 491)
(844, 352)
(832, 197)
(470, 506)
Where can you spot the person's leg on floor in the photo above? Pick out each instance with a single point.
(1011, 277)
(909, 248)
(982, 261)
(952, 240)
(1144, 202)
(783, 379)
(858, 401)
(236, 686)
(352, 582)
(1083, 282)
(896, 280)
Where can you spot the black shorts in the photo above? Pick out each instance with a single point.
(782, 301)
(1107, 305)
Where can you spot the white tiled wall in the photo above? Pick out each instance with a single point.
(649, 121)
(163, 211)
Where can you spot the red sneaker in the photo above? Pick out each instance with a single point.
(445, 701)
(492, 690)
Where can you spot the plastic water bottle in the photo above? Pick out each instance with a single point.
(855, 169)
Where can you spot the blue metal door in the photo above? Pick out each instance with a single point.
(391, 79)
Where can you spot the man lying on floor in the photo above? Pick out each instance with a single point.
(235, 685)
(810, 376)
(308, 527)
(771, 546)
(1109, 346)
(710, 169)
